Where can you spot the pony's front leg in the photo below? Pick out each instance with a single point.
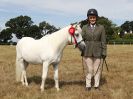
(44, 74)
(56, 76)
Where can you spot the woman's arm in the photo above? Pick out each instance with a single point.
(103, 42)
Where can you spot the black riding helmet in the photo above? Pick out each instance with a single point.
(92, 12)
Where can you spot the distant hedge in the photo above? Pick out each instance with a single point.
(9, 43)
(121, 41)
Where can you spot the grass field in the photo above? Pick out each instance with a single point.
(115, 84)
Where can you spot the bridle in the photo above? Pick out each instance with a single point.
(72, 32)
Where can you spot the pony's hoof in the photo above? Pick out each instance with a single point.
(58, 89)
(26, 84)
(23, 83)
(42, 89)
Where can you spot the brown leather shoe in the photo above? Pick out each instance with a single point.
(96, 88)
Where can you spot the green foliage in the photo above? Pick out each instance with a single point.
(19, 22)
(19, 25)
(115, 36)
(128, 36)
(5, 35)
(46, 28)
(33, 31)
(127, 26)
(107, 24)
(126, 39)
(121, 41)
(22, 26)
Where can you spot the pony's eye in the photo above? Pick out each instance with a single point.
(77, 35)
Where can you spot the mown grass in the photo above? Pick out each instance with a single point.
(115, 84)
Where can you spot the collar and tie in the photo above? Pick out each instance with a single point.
(92, 27)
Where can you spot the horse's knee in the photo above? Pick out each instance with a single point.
(55, 77)
(44, 76)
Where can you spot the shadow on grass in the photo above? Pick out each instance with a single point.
(72, 82)
(51, 83)
(37, 80)
(103, 81)
(81, 82)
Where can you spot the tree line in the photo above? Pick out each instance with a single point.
(23, 26)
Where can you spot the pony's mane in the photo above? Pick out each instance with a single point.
(74, 23)
(53, 33)
(59, 31)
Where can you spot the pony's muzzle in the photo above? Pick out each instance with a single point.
(81, 46)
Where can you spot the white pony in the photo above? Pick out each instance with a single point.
(47, 50)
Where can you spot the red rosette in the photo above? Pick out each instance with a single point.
(72, 30)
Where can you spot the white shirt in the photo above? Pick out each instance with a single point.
(93, 26)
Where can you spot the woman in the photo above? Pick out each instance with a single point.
(95, 39)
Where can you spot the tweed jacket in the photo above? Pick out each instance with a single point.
(95, 41)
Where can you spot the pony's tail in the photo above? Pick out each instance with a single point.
(18, 71)
(18, 67)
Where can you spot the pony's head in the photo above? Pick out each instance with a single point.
(75, 36)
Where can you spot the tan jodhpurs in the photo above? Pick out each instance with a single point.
(93, 70)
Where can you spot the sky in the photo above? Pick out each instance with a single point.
(61, 13)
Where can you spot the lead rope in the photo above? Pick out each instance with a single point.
(102, 68)
(104, 61)
(98, 68)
